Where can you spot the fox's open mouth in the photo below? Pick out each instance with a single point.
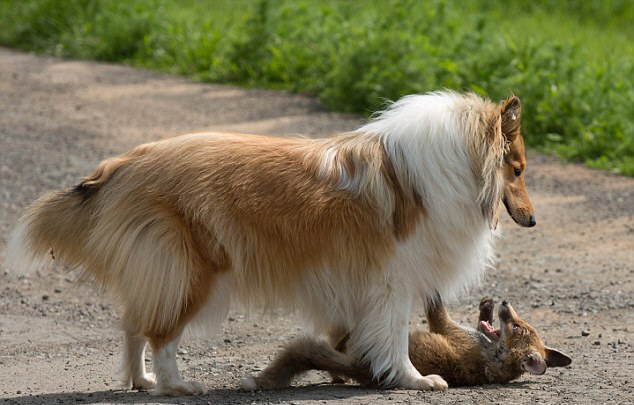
(489, 330)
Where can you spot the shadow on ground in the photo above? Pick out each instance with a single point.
(313, 392)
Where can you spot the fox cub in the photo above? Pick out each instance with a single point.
(460, 355)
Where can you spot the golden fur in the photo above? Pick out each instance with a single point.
(180, 227)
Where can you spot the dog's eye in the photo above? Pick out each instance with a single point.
(518, 172)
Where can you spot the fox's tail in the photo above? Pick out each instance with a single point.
(302, 355)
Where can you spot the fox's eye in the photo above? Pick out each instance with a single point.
(516, 327)
(518, 172)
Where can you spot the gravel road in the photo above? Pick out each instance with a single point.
(571, 276)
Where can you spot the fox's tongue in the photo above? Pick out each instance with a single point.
(488, 329)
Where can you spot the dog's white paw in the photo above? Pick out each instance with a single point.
(433, 382)
(144, 382)
(179, 388)
(430, 382)
(248, 383)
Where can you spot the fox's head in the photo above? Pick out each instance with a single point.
(516, 347)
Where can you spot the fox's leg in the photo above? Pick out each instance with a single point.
(439, 320)
(135, 376)
(486, 310)
(293, 360)
(381, 339)
(338, 337)
(301, 355)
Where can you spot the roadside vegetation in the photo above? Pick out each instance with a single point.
(571, 62)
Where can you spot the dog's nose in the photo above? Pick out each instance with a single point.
(531, 221)
(505, 303)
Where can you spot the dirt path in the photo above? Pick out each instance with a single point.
(58, 340)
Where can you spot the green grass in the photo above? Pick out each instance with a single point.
(571, 62)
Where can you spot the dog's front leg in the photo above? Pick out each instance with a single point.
(381, 341)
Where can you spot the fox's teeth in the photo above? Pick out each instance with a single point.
(487, 327)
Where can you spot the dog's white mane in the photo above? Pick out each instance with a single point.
(436, 142)
(437, 139)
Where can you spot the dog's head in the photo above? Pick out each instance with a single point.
(518, 345)
(515, 196)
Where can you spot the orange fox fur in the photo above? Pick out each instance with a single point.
(460, 355)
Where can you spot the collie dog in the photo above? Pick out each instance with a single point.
(347, 230)
(460, 355)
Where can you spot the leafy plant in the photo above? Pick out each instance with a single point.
(570, 61)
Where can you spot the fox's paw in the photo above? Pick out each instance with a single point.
(179, 388)
(486, 310)
(487, 304)
(338, 380)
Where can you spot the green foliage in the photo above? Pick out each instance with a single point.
(571, 61)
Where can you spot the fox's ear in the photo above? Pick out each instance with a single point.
(511, 115)
(555, 358)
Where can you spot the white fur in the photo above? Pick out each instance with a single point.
(427, 142)
(168, 378)
(428, 139)
(134, 374)
(20, 257)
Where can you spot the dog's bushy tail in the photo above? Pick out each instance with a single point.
(57, 225)
(302, 355)
(134, 247)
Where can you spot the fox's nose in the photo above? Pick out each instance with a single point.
(531, 221)
(505, 303)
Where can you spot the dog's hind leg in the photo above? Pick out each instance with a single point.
(168, 379)
(165, 343)
(135, 376)
(206, 308)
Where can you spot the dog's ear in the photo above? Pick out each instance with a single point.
(555, 358)
(511, 116)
